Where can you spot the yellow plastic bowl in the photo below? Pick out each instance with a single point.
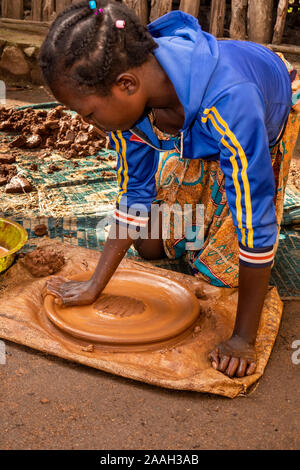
(12, 237)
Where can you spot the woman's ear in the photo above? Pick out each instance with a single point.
(127, 83)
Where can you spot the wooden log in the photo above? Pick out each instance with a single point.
(140, 7)
(217, 17)
(238, 25)
(36, 10)
(190, 6)
(283, 6)
(159, 8)
(34, 27)
(12, 9)
(62, 4)
(260, 20)
(285, 48)
(48, 11)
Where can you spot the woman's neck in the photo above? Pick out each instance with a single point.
(160, 90)
(162, 97)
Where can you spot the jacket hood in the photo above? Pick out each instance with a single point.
(189, 57)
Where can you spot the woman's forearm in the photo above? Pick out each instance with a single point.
(253, 286)
(113, 253)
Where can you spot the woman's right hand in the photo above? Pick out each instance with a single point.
(71, 293)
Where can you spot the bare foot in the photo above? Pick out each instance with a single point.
(234, 357)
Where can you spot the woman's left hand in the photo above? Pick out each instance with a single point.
(71, 293)
(234, 357)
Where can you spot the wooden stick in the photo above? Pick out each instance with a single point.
(36, 10)
(48, 12)
(260, 15)
(160, 8)
(190, 6)
(18, 23)
(12, 9)
(62, 4)
(280, 22)
(285, 48)
(217, 17)
(238, 25)
(140, 7)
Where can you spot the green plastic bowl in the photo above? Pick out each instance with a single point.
(12, 237)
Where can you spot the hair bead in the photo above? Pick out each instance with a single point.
(120, 24)
(93, 5)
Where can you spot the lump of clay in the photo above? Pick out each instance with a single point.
(52, 168)
(40, 230)
(6, 126)
(18, 185)
(44, 261)
(54, 124)
(8, 159)
(70, 136)
(33, 141)
(18, 142)
(53, 129)
(8, 171)
(82, 138)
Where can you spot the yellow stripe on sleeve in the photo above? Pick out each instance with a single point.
(125, 165)
(245, 180)
(235, 170)
(121, 162)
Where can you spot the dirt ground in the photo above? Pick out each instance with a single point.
(49, 403)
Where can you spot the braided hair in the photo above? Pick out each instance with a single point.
(90, 50)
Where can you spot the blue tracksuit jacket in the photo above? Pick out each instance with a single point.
(236, 97)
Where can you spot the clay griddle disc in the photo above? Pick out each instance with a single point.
(169, 309)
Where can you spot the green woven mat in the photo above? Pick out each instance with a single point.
(87, 201)
(291, 214)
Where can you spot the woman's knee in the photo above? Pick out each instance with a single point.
(150, 249)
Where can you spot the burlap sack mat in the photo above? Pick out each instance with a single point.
(182, 367)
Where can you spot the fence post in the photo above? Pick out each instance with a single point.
(260, 16)
(140, 7)
(280, 22)
(159, 8)
(62, 4)
(13, 9)
(190, 6)
(238, 25)
(217, 17)
(36, 10)
(48, 12)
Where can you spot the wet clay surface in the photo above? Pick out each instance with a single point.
(44, 261)
(119, 305)
(140, 309)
